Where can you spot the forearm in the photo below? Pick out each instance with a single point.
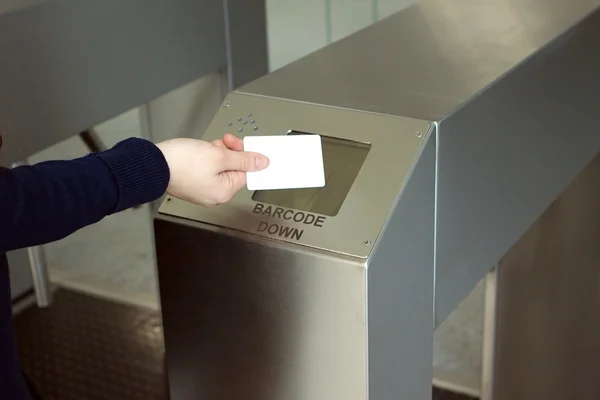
(51, 200)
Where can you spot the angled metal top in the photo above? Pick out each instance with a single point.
(462, 47)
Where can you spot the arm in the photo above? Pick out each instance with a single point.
(51, 200)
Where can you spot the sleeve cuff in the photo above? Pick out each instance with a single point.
(140, 169)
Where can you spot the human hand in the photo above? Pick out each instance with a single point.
(206, 173)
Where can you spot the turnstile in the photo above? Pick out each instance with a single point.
(66, 66)
(447, 130)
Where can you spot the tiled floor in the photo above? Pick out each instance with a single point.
(114, 258)
(88, 348)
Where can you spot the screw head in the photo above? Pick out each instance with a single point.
(367, 242)
(226, 105)
(419, 134)
(169, 199)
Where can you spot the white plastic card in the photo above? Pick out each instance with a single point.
(296, 161)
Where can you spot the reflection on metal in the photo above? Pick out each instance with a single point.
(305, 306)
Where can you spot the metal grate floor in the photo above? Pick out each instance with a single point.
(86, 348)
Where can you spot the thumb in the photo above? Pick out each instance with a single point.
(245, 161)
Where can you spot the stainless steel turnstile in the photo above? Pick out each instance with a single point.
(448, 129)
(68, 65)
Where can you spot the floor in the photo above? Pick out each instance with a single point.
(90, 348)
(114, 258)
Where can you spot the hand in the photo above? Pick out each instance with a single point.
(206, 173)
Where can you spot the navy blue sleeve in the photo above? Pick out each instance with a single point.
(50, 200)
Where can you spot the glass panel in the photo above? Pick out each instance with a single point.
(342, 159)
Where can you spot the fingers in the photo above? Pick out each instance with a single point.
(236, 159)
(244, 161)
(233, 142)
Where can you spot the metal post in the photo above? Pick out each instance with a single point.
(246, 41)
(489, 335)
(146, 133)
(39, 272)
(92, 141)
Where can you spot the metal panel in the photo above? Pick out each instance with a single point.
(246, 33)
(427, 60)
(513, 88)
(548, 312)
(505, 156)
(514, 92)
(70, 64)
(7, 6)
(377, 184)
(401, 290)
(268, 320)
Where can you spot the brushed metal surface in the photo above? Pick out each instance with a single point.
(68, 65)
(427, 60)
(64, 69)
(401, 291)
(249, 318)
(246, 39)
(548, 316)
(507, 154)
(513, 94)
(513, 90)
(7, 6)
(396, 144)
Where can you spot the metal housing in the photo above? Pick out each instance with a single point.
(505, 98)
